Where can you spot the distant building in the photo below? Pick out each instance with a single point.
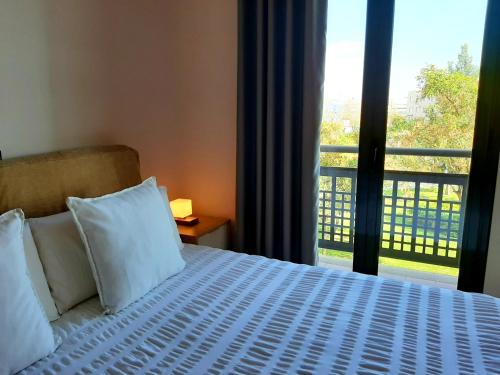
(398, 108)
(348, 128)
(416, 105)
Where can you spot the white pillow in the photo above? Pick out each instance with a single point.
(64, 260)
(171, 220)
(129, 241)
(37, 276)
(25, 333)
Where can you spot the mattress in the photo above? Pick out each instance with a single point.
(234, 313)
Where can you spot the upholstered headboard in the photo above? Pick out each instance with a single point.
(40, 184)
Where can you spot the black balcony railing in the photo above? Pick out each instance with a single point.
(423, 213)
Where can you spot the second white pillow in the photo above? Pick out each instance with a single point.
(64, 259)
(129, 241)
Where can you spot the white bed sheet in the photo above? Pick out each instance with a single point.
(234, 313)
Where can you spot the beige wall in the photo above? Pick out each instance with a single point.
(159, 76)
(25, 98)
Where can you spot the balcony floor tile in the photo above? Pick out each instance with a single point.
(395, 273)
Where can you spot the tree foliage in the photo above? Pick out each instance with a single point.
(450, 94)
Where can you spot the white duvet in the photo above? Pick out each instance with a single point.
(234, 313)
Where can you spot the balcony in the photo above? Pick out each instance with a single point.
(422, 214)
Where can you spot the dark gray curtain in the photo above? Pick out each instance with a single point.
(281, 57)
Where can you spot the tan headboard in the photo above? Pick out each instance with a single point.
(40, 184)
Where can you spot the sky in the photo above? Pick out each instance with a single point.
(425, 32)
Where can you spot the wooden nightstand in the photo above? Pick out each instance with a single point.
(210, 231)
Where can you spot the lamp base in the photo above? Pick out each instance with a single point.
(188, 220)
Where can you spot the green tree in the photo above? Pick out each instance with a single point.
(464, 63)
(451, 95)
(333, 133)
(449, 120)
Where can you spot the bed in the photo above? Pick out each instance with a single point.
(229, 312)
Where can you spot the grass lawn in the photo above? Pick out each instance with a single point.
(416, 266)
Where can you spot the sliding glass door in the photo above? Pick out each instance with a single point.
(436, 55)
(419, 137)
(340, 132)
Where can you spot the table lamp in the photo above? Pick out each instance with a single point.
(182, 209)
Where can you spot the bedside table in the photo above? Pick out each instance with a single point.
(209, 231)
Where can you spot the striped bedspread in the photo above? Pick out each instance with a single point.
(239, 314)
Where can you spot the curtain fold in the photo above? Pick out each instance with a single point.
(281, 54)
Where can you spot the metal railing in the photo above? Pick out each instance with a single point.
(422, 212)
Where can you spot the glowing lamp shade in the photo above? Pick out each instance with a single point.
(181, 207)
